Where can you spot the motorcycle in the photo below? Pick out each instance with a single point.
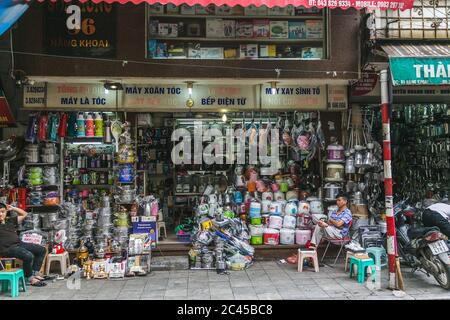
(421, 247)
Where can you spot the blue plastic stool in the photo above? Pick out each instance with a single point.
(376, 253)
(362, 264)
(12, 278)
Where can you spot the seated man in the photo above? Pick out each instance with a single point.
(336, 227)
(438, 215)
(32, 255)
(338, 224)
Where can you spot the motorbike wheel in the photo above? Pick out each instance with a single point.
(443, 278)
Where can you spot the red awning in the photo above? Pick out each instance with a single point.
(343, 4)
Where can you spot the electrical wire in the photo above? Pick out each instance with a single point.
(126, 62)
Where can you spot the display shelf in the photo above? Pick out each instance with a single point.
(248, 40)
(319, 16)
(44, 186)
(188, 194)
(89, 186)
(41, 206)
(41, 164)
(85, 140)
(91, 169)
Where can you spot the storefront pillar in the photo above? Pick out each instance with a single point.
(389, 202)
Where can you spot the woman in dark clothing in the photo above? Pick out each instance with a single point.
(32, 255)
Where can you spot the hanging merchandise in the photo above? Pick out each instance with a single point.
(89, 126)
(52, 134)
(98, 125)
(331, 191)
(42, 128)
(335, 153)
(126, 173)
(62, 128)
(335, 172)
(81, 129)
(72, 125)
(32, 128)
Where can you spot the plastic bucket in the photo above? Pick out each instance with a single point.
(287, 236)
(302, 236)
(256, 239)
(255, 221)
(289, 222)
(271, 236)
(275, 222)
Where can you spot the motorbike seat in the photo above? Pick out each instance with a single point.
(420, 232)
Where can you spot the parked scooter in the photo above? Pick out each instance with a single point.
(422, 247)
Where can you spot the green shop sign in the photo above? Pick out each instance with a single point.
(420, 71)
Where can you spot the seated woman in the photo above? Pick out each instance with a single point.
(32, 255)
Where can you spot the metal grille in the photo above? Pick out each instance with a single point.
(429, 19)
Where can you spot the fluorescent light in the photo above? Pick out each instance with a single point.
(86, 142)
(190, 91)
(273, 87)
(106, 91)
(224, 117)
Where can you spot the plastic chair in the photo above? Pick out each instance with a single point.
(307, 254)
(362, 264)
(341, 242)
(376, 253)
(161, 224)
(63, 259)
(11, 278)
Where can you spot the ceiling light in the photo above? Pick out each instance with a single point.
(190, 86)
(273, 87)
(224, 117)
(113, 86)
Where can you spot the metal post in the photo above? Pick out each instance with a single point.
(389, 203)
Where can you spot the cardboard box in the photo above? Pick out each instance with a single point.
(212, 53)
(244, 29)
(253, 10)
(261, 28)
(172, 9)
(224, 10)
(230, 53)
(281, 11)
(314, 29)
(214, 28)
(279, 29)
(161, 50)
(153, 27)
(169, 30)
(267, 51)
(248, 51)
(229, 28)
(187, 10)
(156, 8)
(193, 29)
(175, 51)
(297, 30)
(194, 51)
(210, 9)
(312, 53)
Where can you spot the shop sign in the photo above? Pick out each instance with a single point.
(365, 85)
(80, 29)
(68, 96)
(6, 117)
(420, 70)
(294, 97)
(156, 97)
(337, 98)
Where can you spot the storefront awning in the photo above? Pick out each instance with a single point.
(10, 12)
(343, 4)
(419, 64)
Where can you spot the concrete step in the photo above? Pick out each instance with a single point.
(164, 263)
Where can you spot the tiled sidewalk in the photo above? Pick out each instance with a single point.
(266, 280)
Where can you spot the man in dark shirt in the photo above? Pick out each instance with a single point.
(32, 255)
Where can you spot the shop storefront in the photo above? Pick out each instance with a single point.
(108, 160)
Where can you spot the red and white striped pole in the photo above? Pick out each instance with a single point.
(389, 202)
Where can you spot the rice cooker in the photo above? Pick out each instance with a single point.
(275, 222)
(279, 195)
(291, 195)
(291, 208)
(315, 205)
(332, 190)
(303, 207)
(335, 171)
(335, 152)
(287, 236)
(267, 196)
(289, 222)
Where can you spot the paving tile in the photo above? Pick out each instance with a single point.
(265, 289)
(238, 284)
(269, 296)
(172, 292)
(246, 297)
(181, 298)
(222, 297)
(199, 297)
(220, 291)
(243, 290)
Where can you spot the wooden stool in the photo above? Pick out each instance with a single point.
(307, 254)
(63, 259)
